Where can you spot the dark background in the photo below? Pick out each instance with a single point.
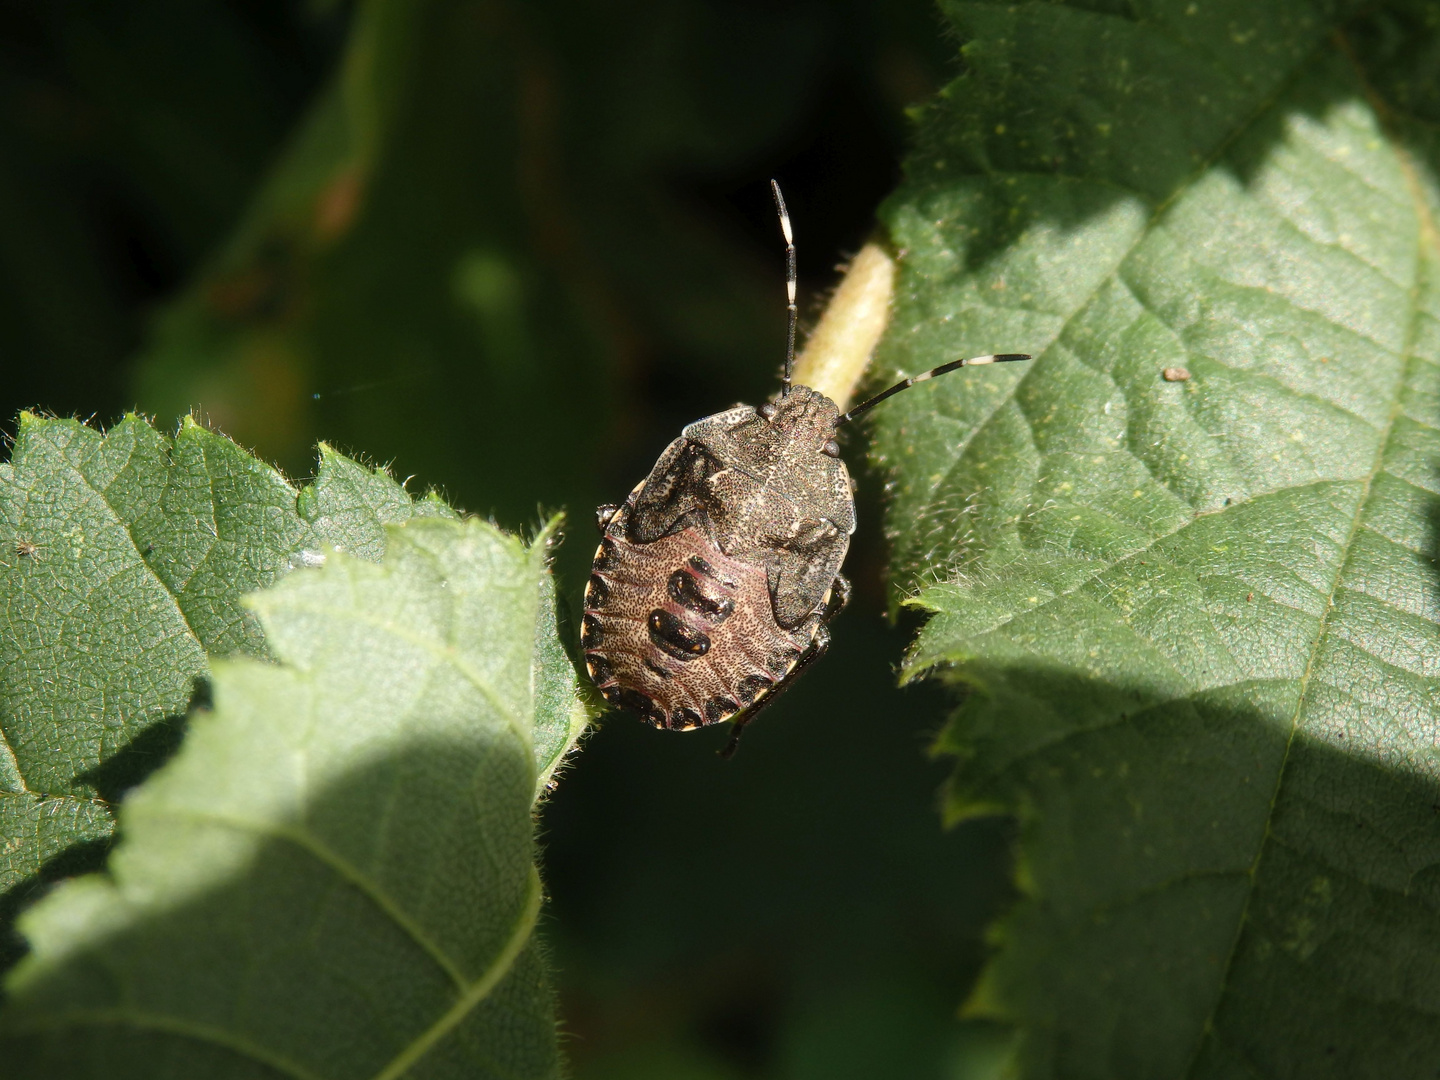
(509, 249)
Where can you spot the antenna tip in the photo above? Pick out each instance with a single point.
(784, 214)
(997, 358)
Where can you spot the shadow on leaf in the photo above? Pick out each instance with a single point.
(391, 915)
(1229, 892)
(130, 766)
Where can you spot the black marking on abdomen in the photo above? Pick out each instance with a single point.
(592, 636)
(685, 591)
(782, 660)
(700, 566)
(600, 670)
(605, 557)
(684, 718)
(716, 709)
(639, 703)
(656, 668)
(674, 637)
(597, 592)
(751, 687)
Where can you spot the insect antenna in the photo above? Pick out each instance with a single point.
(790, 278)
(973, 361)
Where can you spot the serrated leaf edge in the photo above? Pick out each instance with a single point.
(984, 1000)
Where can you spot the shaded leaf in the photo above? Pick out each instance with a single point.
(1197, 620)
(123, 560)
(335, 875)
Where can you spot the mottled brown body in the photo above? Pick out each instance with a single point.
(682, 634)
(713, 583)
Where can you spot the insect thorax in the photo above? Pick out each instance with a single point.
(769, 479)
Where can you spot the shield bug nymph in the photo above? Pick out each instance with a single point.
(716, 577)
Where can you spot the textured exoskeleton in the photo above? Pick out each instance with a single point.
(714, 580)
(762, 486)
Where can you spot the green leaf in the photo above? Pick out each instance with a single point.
(1197, 621)
(124, 559)
(560, 714)
(335, 876)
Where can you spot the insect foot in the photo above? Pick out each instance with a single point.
(715, 579)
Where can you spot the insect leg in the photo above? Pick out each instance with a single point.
(604, 514)
(839, 597)
(816, 650)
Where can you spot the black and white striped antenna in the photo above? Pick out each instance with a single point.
(792, 314)
(973, 361)
(790, 277)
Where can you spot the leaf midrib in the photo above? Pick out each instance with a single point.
(1423, 241)
(471, 995)
(479, 990)
(1364, 497)
(57, 797)
(1269, 103)
(1157, 213)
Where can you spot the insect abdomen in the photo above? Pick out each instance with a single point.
(679, 633)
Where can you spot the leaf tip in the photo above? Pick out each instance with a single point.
(29, 422)
(959, 808)
(550, 532)
(984, 1002)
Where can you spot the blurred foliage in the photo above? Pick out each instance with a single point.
(134, 135)
(512, 248)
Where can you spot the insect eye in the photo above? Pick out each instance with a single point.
(831, 447)
(768, 410)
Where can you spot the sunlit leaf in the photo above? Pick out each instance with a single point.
(1196, 614)
(123, 560)
(335, 875)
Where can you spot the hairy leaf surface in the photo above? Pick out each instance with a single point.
(123, 560)
(1196, 615)
(335, 875)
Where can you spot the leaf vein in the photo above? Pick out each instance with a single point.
(168, 1025)
(1322, 630)
(307, 842)
(477, 991)
(1128, 718)
(445, 653)
(1401, 545)
(1159, 209)
(1275, 380)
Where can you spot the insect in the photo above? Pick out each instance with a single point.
(716, 578)
(27, 549)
